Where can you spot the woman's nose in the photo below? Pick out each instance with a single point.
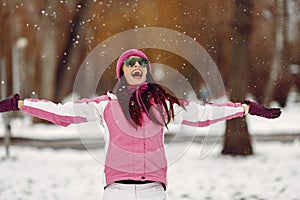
(137, 64)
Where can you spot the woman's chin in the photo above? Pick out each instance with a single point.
(136, 81)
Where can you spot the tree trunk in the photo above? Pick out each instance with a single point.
(278, 52)
(237, 140)
(74, 54)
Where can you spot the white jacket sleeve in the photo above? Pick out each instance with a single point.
(198, 115)
(85, 110)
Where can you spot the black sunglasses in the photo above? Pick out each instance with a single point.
(130, 62)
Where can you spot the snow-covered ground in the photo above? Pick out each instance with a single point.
(196, 171)
(272, 173)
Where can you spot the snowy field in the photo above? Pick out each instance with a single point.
(272, 173)
(196, 171)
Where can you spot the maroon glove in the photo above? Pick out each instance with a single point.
(256, 109)
(10, 104)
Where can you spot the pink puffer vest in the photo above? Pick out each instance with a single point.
(133, 153)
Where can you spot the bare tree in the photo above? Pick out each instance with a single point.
(278, 51)
(237, 140)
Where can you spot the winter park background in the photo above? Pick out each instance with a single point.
(254, 44)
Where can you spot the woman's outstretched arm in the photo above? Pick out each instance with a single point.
(199, 115)
(61, 114)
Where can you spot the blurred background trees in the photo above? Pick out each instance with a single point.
(48, 40)
(43, 42)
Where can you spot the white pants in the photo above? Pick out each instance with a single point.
(149, 191)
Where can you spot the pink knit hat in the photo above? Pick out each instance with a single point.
(126, 54)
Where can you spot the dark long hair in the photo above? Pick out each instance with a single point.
(155, 95)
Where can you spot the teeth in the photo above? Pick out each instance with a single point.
(136, 72)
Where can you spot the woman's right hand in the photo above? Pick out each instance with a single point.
(10, 104)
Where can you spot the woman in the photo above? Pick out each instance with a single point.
(133, 119)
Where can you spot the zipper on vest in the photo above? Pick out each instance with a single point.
(144, 145)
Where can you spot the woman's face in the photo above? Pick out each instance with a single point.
(135, 70)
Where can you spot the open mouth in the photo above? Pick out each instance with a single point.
(137, 73)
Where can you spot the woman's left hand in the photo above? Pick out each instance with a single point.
(259, 110)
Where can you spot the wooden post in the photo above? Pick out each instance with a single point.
(3, 78)
(6, 118)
